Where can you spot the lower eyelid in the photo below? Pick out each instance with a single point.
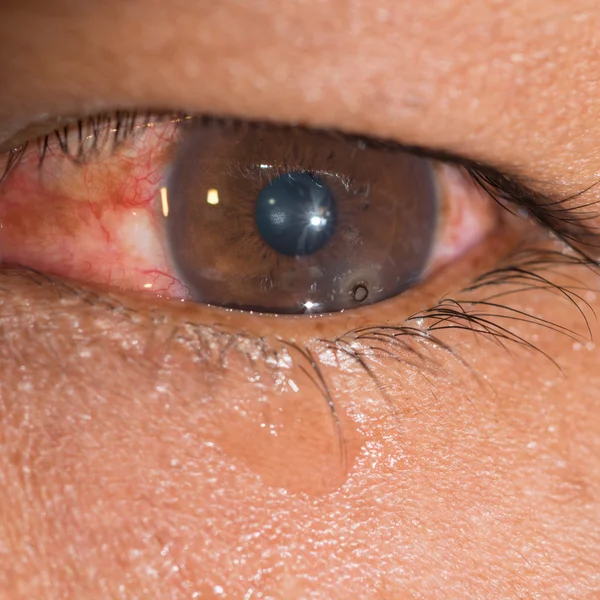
(259, 400)
(277, 403)
(267, 397)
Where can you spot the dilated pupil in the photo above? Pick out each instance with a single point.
(296, 213)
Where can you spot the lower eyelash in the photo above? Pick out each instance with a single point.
(489, 315)
(412, 349)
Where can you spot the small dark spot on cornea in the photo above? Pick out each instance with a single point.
(360, 292)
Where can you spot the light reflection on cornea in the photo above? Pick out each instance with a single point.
(212, 197)
(309, 305)
(164, 199)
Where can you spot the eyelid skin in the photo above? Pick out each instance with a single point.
(368, 99)
(291, 370)
(177, 490)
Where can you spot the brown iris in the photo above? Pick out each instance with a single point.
(376, 210)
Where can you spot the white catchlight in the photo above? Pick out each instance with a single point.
(212, 197)
(164, 200)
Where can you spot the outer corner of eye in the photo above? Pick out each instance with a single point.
(467, 216)
(275, 220)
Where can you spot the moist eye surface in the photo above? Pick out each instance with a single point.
(285, 219)
(296, 213)
(267, 218)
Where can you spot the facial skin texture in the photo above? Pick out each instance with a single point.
(133, 460)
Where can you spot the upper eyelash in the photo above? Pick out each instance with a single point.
(13, 160)
(104, 130)
(567, 222)
(93, 134)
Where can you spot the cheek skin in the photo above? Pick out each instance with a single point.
(124, 467)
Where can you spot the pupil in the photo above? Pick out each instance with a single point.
(296, 213)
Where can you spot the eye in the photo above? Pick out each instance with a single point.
(249, 216)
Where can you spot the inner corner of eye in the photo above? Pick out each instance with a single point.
(203, 209)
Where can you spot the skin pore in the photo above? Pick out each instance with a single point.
(134, 457)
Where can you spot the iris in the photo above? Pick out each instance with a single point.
(290, 220)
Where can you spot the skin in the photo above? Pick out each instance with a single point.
(134, 463)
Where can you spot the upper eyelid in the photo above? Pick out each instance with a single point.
(573, 224)
(548, 210)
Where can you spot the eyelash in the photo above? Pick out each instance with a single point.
(530, 268)
(103, 129)
(116, 128)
